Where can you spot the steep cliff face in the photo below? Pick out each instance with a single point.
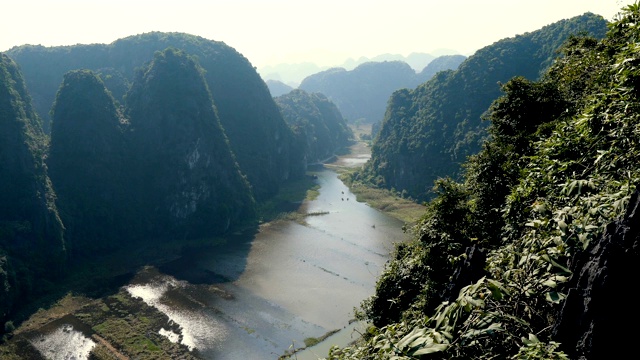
(598, 288)
(87, 162)
(186, 173)
(257, 134)
(31, 231)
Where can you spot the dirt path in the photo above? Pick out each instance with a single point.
(110, 347)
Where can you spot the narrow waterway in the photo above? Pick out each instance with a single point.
(262, 294)
(282, 285)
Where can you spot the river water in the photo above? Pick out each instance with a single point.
(260, 294)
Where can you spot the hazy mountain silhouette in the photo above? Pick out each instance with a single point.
(361, 94)
(292, 74)
(277, 88)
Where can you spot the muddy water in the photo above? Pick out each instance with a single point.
(263, 293)
(259, 296)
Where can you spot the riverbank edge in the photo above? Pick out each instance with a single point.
(88, 284)
(383, 200)
(296, 193)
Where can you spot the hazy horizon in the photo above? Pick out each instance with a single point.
(286, 31)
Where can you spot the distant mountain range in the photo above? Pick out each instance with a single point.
(292, 74)
(361, 94)
(427, 132)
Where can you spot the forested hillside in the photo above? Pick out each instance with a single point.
(317, 124)
(138, 157)
(156, 171)
(32, 246)
(162, 168)
(258, 135)
(532, 254)
(361, 94)
(87, 164)
(184, 171)
(429, 131)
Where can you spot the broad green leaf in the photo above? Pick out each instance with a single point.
(432, 348)
(414, 334)
(555, 297)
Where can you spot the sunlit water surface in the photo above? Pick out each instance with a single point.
(63, 342)
(259, 295)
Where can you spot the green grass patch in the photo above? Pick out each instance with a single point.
(384, 200)
(310, 341)
(299, 217)
(248, 330)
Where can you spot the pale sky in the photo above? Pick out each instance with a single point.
(268, 32)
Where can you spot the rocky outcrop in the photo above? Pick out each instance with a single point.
(467, 272)
(258, 136)
(26, 196)
(189, 182)
(598, 318)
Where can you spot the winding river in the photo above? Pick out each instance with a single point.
(264, 293)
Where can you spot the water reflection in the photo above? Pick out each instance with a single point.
(261, 293)
(63, 343)
(257, 296)
(168, 295)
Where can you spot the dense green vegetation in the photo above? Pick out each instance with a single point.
(486, 275)
(156, 171)
(86, 163)
(361, 94)
(317, 124)
(160, 168)
(258, 136)
(31, 233)
(141, 163)
(184, 174)
(429, 131)
(171, 138)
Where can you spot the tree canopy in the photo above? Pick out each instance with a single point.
(428, 132)
(488, 272)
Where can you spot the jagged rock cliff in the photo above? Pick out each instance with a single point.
(186, 174)
(257, 134)
(601, 293)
